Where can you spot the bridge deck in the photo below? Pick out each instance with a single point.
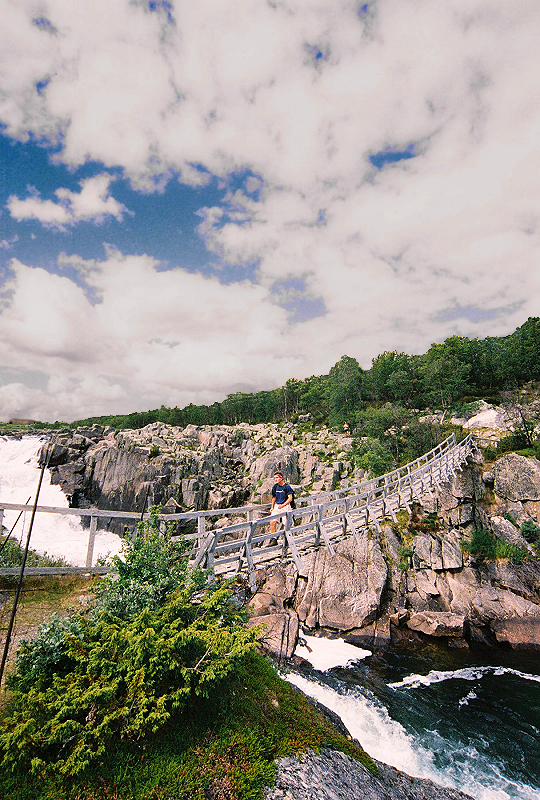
(320, 520)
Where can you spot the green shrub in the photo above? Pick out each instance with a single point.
(151, 566)
(530, 531)
(154, 451)
(46, 654)
(372, 456)
(485, 545)
(11, 555)
(405, 553)
(158, 638)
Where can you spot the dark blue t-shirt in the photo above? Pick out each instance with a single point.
(281, 492)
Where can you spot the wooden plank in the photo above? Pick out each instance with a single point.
(294, 550)
(326, 538)
(249, 559)
(91, 541)
(203, 550)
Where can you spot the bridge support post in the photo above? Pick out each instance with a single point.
(91, 541)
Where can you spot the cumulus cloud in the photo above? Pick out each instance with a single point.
(154, 337)
(304, 95)
(93, 202)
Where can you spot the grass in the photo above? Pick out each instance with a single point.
(485, 545)
(222, 749)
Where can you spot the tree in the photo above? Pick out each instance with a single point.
(344, 390)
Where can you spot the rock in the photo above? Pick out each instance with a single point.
(508, 532)
(280, 633)
(434, 623)
(426, 583)
(343, 591)
(332, 775)
(452, 554)
(518, 633)
(517, 477)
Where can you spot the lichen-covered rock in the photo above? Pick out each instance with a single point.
(280, 633)
(508, 532)
(517, 477)
(343, 591)
(331, 775)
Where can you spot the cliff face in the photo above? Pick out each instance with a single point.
(417, 579)
(195, 468)
(403, 582)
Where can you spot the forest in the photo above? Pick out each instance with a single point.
(460, 370)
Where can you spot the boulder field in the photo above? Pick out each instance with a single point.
(408, 581)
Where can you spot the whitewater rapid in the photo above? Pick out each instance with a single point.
(467, 765)
(58, 536)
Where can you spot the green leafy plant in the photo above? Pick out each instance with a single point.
(405, 553)
(510, 517)
(158, 638)
(154, 451)
(485, 545)
(150, 567)
(530, 531)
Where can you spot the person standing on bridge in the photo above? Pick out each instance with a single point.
(282, 496)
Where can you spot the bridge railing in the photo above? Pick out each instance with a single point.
(241, 546)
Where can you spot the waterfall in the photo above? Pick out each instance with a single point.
(56, 535)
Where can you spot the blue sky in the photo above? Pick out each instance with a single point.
(197, 200)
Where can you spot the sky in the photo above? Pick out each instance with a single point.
(203, 198)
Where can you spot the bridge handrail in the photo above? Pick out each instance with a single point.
(358, 497)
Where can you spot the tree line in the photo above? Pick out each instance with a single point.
(459, 369)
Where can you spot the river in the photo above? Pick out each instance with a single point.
(467, 720)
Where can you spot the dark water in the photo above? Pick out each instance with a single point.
(468, 720)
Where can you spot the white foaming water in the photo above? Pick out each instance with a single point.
(54, 534)
(324, 654)
(387, 741)
(467, 674)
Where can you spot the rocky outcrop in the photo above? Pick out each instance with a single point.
(193, 468)
(517, 477)
(330, 775)
(422, 579)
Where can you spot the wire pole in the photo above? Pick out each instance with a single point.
(21, 573)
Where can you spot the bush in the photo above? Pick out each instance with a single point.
(372, 456)
(46, 654)
(485, 545)
(151, 566)
(530, 531)
(158, 638)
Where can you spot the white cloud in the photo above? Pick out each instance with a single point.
(93, 202)
(155, 336)
(234, 84)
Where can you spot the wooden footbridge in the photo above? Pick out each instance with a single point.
(318, 520)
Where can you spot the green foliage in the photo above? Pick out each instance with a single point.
(11, 555)
(511, 519)
(223, 747)
(530, 531)
(405, 553)
(372, 456)
(487, 546)
(344, 389)
(154, 451)
(158, 639)
(150, 567)
(46, 654)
